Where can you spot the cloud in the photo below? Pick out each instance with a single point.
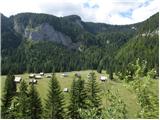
(106, 11)
(87, 5)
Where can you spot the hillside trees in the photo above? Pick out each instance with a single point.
(99, 41)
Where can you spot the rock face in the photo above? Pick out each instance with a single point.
(47, 32)
(19, 27)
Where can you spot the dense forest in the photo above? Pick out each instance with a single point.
(29, 46)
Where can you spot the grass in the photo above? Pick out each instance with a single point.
(126, 94)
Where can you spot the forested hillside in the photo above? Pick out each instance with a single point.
(40, 42)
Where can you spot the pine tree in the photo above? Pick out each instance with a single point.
(111, 74)
(23, 101)
(93, 93)
(35, 107)
(7, 96)
(77, 98)
(81, 93)
(100, 67)
(73, 107)
(55, 100)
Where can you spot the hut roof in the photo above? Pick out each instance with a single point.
(17, 79)
(103, 78)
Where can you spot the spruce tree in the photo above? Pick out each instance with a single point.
(81, 93)
(110, 74)
(99, 69)
(55, 100)
(93, 93)
(77, 98)
(7, 95)
(73, 107)
(23, 101)
(35, 106)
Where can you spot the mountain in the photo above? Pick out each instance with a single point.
(40, 42)
(145, 45)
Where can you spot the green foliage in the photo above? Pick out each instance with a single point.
(117, 107)
(89, 113)
(23, 101)
(7, 96)
(107, 47)
(147, 100)
(35, 106)
(101, 45)
(144, 48)
(73, 107)
(54, 104)
(77, 98)
(139, 69)
(152, 74)
(93, 93)
(99, 69)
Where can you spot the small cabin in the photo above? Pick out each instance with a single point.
(103, 78)
(17, 79)
(31, 75)
(41, 73)
(77, 74)
(34, 81)
(64, 74)
(65, 90)
(49, 76)
(38, 77)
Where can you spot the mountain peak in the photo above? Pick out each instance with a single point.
(73, 17)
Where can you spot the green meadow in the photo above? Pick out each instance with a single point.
(123, 89)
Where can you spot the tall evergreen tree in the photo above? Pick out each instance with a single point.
(93, 92)
(8, 93)
(73, 107)
(111, 74)
(23, 101)
(77, 98)
(55, 100)
(35, 106)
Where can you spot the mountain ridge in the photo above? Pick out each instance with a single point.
(93, 44)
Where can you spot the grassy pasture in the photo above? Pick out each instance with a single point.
(126, 93)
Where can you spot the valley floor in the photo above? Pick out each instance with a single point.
(124, 91)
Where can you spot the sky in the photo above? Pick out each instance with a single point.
(118, 12)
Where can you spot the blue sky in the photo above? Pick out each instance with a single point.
(104, 11)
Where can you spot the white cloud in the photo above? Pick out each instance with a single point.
(107, 11)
